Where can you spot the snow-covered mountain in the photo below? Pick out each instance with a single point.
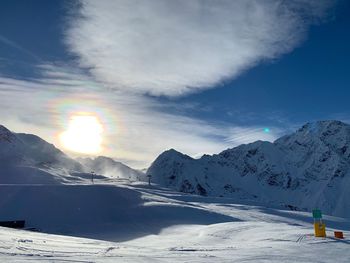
(134, 222)
(43, 153)
(303, 170)
(11, 147)
(29, 149)
(28, 159)
(111, 168)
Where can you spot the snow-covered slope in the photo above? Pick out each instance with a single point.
(134, 222)
(28, 159)
(111, 168)
(21, 148)
(11, 148)
(147, 224)
(42, 153)
(102, 211)
(307, 169)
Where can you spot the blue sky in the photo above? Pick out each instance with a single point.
(310, 83)
(198, 77)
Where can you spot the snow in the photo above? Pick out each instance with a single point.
(170, 227)
(111, 168)
(306, 169)
(28, 159)
(116, 219)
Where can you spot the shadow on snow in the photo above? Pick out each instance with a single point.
(97, 211)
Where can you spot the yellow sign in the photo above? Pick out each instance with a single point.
(320, 229)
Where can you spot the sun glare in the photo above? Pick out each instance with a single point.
(84, 134)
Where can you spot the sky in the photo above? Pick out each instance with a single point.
(199, 76)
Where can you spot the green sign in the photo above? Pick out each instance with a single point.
(317, 214)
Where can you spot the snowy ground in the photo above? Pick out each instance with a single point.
(137, 223)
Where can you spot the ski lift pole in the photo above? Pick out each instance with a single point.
(149, 179)
(92, 177)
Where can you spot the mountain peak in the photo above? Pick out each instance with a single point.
(329, 132)
(313, 161)
(319, 126)
(6, 135)
(172, 153)
(3, 128)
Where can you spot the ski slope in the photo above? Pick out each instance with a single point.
(116, 221)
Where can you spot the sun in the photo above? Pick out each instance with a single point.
(84, 134)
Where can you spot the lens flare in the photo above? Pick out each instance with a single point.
(84, 134)
(87, 108)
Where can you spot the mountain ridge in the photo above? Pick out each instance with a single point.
(298, 170)
(111, 168)
(27, 158)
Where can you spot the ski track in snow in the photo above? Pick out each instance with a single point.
(255, 234)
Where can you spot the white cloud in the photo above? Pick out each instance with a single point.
(137, 128)
(161, 47)
(172, 47)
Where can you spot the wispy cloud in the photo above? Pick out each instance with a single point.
(138, 128)
(128, 48)
(15, 45)
(244, 135)
(173, 47)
